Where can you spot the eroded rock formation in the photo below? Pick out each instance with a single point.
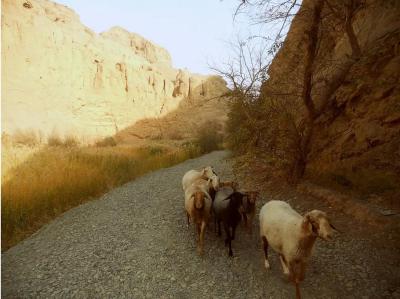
(357, 133)
(59, 75)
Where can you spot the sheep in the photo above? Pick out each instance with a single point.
(213, 186)
(227, 207)
(205, 173)
(198, 208)
(231, 184)
(292, 236)
(249, 205)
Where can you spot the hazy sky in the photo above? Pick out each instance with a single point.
(193, 31)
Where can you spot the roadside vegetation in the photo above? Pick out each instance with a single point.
(277, 115)
(41, 181)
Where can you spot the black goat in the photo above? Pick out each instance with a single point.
(227, 208)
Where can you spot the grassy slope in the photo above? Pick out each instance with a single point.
(55, 179)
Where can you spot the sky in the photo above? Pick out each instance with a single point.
(195, 32)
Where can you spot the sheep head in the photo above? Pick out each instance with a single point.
(320, 224)
(250, 202)
(234, 185)
(208, 172)
(236, 201)
(252, 196)
(214, 180)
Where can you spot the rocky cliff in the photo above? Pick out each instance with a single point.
(58, 75)
(356, 137)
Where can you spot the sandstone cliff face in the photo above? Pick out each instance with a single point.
(358, 134)
(59, 75)
(184, 122)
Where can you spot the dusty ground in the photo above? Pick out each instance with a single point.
(133, 242)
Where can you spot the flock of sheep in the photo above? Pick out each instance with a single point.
(291, 235)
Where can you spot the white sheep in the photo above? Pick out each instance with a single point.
(198, 208)
(292, 236)
(205, 173)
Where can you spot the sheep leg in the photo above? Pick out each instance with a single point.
(198, 229)
(298, 296)
(284, 265)
(201, 236)
(188, 219)
(219, 228)
(228, 240)
(233, 232)
(244, 216)
(250, 223)
(265, 246)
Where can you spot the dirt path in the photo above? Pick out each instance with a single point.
(133, 242)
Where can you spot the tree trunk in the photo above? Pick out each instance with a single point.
(355, 46)
(300, 162)
(311, 53)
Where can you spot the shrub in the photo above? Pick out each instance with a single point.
(267, 127)
(175, 135)
(155, 150)
(208, 138)
(107, 141)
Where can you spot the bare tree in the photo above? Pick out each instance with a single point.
(247, 73)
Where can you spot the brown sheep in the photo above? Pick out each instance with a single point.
(249, 205)
(198, 208)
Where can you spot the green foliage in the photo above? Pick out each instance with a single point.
(268, 128)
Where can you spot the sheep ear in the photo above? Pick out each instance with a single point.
(229, 197)
(309, 220)
(334, 228)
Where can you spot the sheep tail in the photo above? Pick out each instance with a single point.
(199, 202)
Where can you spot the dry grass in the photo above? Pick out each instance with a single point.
(14, 155)
(106, 141)
(67, 141)
(55, 179)
(363, 182)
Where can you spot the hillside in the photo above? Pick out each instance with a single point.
(60, 76)
(358, 134)
(355, 135)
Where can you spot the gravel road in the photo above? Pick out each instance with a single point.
(133, 242)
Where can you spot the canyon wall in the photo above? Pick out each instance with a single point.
(356, 137)
(60, 76)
